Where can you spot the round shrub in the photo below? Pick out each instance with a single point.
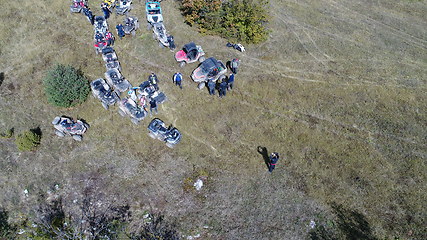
(66, 86)
(27, 141)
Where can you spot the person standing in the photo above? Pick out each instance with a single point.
(230, 82)
(109, 38)
(153, 106)
(222, 88)
(154, 81)
(211, 87)
(274, 157)
(105, 10)
(89, 15)
(234, 64)
(120, 31)
(177, 79)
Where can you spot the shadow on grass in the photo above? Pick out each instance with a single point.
(352, 224)
(1, 78)
(349, 225)
(264, 152)
(37, 131)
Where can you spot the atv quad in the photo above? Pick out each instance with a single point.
(66, 126)
(78, 5)
(159, 33)
(148, 90)
(115, 78)
(154, 13)
(157, 130)
(123, 7)
(209, 70)
(130, 25)
(100, 25)
(190, 53)
(129, 107)
(102, 91)
(110, 59)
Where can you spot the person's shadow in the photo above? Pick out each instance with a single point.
(264, 152)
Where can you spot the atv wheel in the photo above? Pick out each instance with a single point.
(222, 77)
(56, 120)
(122, 113)
(182, 64)
(133, 33)
(201, 85)
(105, 106)
(201, 59)
(135, 121)
(78, 138)
(170, 145)
(152, 135)
(161, 45)
(59, 133)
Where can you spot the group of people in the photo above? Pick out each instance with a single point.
(143, 95)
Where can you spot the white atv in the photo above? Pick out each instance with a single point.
(66, 126)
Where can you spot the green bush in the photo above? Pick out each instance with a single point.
(235, 20)
(7, 134)
(66, 86)
(28, 140)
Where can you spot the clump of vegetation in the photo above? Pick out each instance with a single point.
(7, 134)
(7, 231)
(66, 86)
(236, 20)
(28, 140)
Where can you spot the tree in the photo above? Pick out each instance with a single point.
(66, 86)
(28, 140)
(7, 231)
(236, 20)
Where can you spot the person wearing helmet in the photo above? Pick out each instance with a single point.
(274, 157)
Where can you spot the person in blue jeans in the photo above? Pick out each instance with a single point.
(222, 88)
(177, 79)
(274, 158)
(211, 87)
(230, 82)
(120, 31)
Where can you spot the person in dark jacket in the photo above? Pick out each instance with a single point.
(177, 79)
(89, 15)
(154, 81)
(171, 42)
(153, 106)
(211, 87)
(222, 88)
(120, 31)
(230, 82)
(274, 157)
(106, 11)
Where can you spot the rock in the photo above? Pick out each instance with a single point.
(198, 184)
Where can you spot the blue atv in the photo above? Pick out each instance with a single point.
(157, 130)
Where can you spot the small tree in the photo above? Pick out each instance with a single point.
(66, 86)
(28, 140)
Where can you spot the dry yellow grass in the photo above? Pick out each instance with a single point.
(338, 90)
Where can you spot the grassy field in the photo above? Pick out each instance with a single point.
(339, 89)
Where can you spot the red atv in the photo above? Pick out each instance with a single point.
(190, 53)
